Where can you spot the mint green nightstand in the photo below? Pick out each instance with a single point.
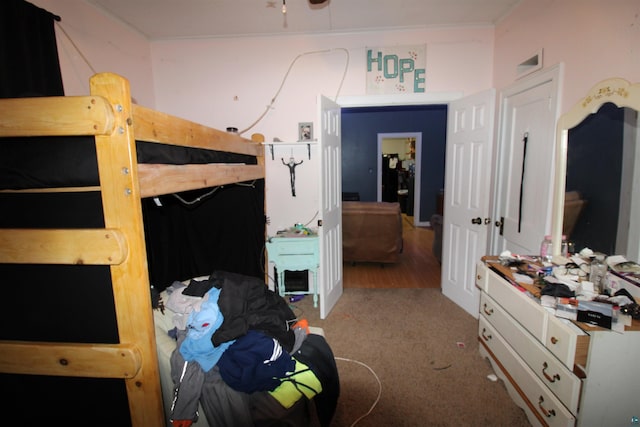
(295, 254)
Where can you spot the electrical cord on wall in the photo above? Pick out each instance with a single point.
(311, 220)
(84, 58)
(273, 100)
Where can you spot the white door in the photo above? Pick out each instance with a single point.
(330, 232)
(525, 169)
(467, 193)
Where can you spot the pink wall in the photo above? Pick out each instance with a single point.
(595, 39)
(224, 82)
(96, 43)
(229, 82)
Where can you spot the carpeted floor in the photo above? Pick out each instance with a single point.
(424, 351)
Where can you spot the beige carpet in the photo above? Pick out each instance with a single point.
(424, 350)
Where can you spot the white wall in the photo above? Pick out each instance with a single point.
(595, 40)
(283, 209)
(229, 82)
(89, 42)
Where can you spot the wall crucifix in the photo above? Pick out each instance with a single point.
(292, 172)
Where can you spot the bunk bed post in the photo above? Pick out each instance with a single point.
(117, 165)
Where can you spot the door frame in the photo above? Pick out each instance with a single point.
(418, 170)
(433, 98)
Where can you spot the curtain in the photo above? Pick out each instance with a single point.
(28, 51)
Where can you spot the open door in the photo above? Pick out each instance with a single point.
(466, 219)
(330, 199)
(525, 167)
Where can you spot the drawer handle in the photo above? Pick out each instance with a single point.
(486, 337)
(479, 277)
(554, 378)
(488, 312)
(554, 340)
(550, 413)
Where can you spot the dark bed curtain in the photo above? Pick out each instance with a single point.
(28, 51)
(51, 303)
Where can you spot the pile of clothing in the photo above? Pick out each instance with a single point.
(244, 356)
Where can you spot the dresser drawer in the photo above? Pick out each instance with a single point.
(569, 343)
(553, 374)
(531, 315)
(482, 272)
(539, 398)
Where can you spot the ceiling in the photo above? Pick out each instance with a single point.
(174, 19)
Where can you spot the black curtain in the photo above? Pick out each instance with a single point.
(28, 51)
(51, 303)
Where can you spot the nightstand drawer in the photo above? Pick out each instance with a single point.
(540, 399)
(293, 246)
(553, 374)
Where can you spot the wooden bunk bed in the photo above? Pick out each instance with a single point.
(109, 115)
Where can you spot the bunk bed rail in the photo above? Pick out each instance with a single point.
(109, 115)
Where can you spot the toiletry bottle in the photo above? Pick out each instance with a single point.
(598, 272)
(564, 248)
(546, 250)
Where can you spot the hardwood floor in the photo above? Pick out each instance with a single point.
(417, 268)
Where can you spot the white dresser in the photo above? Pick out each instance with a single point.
(562, 373)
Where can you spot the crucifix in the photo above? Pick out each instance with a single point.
(292, 173)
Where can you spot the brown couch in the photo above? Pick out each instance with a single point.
(371, 232)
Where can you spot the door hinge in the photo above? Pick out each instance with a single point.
(501, 225)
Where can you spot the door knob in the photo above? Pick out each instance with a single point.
(477, 220)
(500, 225)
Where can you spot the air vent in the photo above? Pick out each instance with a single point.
(528, 66)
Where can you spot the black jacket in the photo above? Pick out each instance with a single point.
(247, 303)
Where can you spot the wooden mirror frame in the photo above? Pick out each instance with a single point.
(617, 91)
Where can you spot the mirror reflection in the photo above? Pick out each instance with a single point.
(599, 179)
(596, 198)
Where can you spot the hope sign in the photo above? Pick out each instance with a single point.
(394, 67)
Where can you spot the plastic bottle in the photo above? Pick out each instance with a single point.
(546, 250)
(564, 248)
(598, 272)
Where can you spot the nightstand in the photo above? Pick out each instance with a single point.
(295, 254)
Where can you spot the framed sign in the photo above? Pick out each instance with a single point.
(305, 131)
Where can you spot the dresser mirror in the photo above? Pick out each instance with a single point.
(597, 158)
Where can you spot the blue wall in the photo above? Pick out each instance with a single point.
(360, 129)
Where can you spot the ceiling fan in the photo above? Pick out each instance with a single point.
(284, 4)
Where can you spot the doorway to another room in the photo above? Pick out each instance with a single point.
(399, 171)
